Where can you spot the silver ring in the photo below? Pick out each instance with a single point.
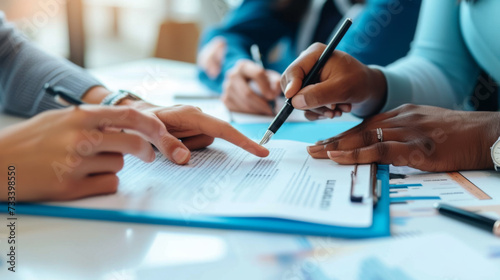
(380, 135)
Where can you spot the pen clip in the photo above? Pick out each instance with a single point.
(61, 101)
(375, 185)
(62, 96)
(354, 174)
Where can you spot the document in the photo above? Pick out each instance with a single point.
(224, 180)
(414, 192)
(429, 256)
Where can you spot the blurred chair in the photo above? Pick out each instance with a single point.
(178, 41)
(76, 31)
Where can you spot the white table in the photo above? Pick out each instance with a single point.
(54, 248)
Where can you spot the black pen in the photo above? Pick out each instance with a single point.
(310, 77)
(62, 95)
(471, 218)
(257, 58)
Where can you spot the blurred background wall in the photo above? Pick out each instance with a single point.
(94, 33)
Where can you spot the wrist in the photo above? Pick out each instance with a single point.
(492, 128)
(95, 95)
(375, 92)
(136, 104)
(489, 125)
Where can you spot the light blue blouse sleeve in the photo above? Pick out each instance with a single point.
(439, 70)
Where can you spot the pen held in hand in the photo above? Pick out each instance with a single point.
(62, 95)
(309, 79)
(257, 58)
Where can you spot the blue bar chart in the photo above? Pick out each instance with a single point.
(414, 193)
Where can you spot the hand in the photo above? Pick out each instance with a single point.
(74, 152)
(345, 84)
(211, 56)
(424, 137)
(239, 96)
(195, 129)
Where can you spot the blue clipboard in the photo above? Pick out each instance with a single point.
(379, 228)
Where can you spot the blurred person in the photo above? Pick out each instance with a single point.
(76, 151)
(381, 33)
(454, 41)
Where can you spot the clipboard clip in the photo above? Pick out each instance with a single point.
(374, 182)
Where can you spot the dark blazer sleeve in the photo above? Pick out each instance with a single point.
(24, 69)
(382, 32)
(253, 22)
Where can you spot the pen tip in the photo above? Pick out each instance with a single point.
(266, 137)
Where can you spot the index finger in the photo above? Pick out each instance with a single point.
(220, 129)
(149, 126)
(291, 80)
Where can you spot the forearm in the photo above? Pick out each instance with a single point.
(25, 71)
(439, 70)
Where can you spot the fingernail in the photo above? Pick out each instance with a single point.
(287, 88)
(315, 149)
(334, 154)
(163, 131)
(299, 101)
(152, 157)
(180, 155)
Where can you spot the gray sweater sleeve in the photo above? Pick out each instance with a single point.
(24, 69)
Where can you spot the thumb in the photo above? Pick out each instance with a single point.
(172, 148)
(292, 78)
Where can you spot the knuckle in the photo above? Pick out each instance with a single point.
(414, 117)
(406, 107)
(132, 115)
(332, 146)
(335, 145)
(190, 109)
(382, 151)
(80, 113)
(261, 74)
(367, 137)
(355, 154)
(317, 47)
(238, 67)
(231, 74)
(167, 142)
